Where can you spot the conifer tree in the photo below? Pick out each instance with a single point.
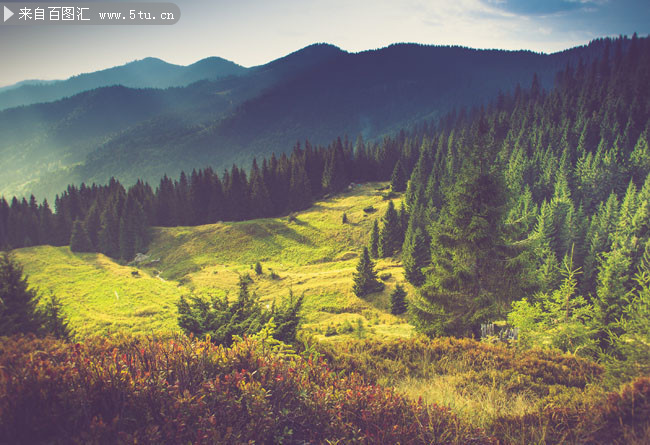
(403, 221)
(468, 283)
(335, 176)
(398, 303)
(109, 233)
(261, 205)
(93, 226)
(374, 240)
(365, 278)
(390, 235)
(415, 255)
(398, 178)
(53, 321)
(18, 310)
(79, 240)
(299, 186)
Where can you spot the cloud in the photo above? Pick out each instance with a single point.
(543, 7)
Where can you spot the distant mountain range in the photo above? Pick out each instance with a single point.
(148, 118)
(145, 73)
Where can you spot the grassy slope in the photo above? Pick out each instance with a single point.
(98, 294)
(315, 255)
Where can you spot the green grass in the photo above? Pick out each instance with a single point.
(315, 255)
(99, 295)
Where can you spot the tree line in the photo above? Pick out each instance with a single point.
(114, 220)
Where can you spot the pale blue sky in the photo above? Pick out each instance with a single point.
(252, 32)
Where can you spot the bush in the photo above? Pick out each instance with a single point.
(369, 209)
(223, 321)
(397, 359)
(622, 418)
(181, 390)
(385, 276)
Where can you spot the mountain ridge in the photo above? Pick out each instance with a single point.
(149, 72)
(316, 93)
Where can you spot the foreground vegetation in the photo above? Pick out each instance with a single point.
(179, 390)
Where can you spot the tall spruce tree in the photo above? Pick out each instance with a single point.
(79, 240)
(398, 303)
(18, 303)
(468, 281)
(335, 177)
(374, 240)
(261, 205)
(415, 255)
(365, 278)
(390, 237)
(398, 179)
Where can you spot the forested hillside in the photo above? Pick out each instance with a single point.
(546, 196)
(317, 93)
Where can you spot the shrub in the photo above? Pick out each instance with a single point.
(622, 418)
(181, 390)
(222, 320)
(417, 357)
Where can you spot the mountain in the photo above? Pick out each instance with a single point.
(317, 93)
(145, 73)
(27, 83)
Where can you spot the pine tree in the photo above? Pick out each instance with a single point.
(18, 310)
(53, 321)
(109, 240)
(365, 278)
(390, 235)
(261, 205)
(415, 255)
(93, 226)
(133, 229)
(398, 178)
(335, 177)
(614, 284)
(299, 186)
(79, 240)
(398, 303)
(468, 283)
(374, 240)
(403, 221)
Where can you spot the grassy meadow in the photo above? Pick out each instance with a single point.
(314, 254)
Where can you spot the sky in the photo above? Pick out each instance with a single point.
(253, 32)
